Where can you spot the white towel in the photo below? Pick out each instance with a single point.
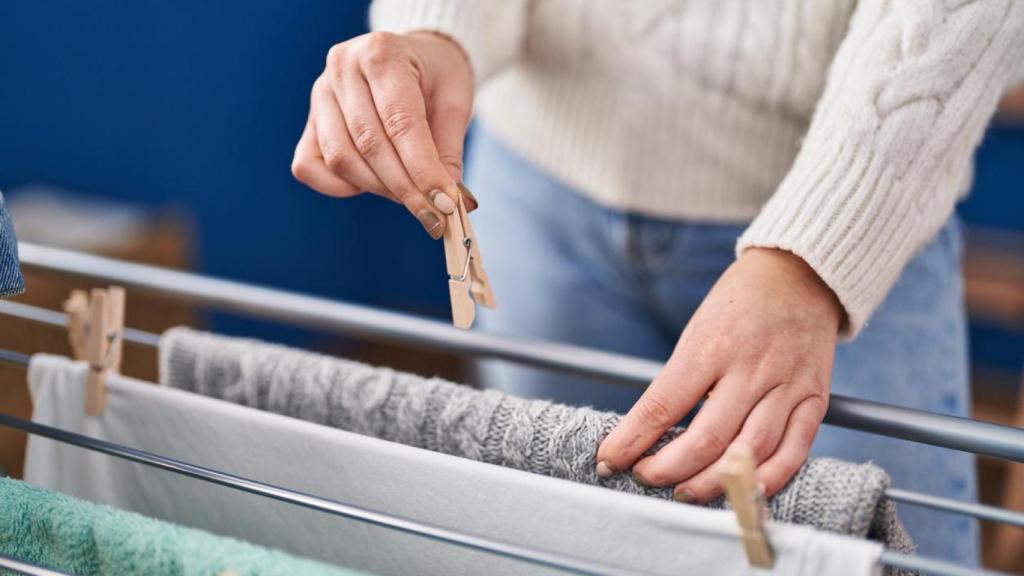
(620, 530)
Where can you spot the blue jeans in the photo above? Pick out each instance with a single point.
(564, 268)
(11, 282)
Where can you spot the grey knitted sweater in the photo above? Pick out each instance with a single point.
(488, 426)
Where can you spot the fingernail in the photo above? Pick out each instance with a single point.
(604, 470)
(684, 497)
(431, 223)
(638, 479)
(471, 203)
(442, 201)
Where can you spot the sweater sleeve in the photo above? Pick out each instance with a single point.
(890, 147)
(491, 32)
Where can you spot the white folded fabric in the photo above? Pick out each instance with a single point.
(620, 530)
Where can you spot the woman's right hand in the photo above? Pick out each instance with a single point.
(388, 116)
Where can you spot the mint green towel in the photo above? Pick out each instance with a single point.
(86, 539)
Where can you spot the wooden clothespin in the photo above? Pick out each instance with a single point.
(737, 473)
(95, 330)
(466, 275)
(77, 309)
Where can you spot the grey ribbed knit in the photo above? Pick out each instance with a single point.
(488, 426)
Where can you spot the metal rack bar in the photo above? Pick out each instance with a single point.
(526, 554)
(21, 567)
(14, 357)
(60, 319)
(981, 511)
(338, 317)
(990, 513)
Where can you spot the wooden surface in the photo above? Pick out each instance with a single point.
(15, 400)
(1012, 105)
(994, 277)
(1007, 548)
(994, 294)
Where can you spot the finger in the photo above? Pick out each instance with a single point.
(673, 393)
(395, 88)
(336, 147)
(308, 167)
(762, 432)
(795, 446)
(448, 113)
(469, 199)
(449, 129)
(369, 139)
(715, 427)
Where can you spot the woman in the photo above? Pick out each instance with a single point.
(733, 185)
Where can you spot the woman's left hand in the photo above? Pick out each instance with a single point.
(760, 346)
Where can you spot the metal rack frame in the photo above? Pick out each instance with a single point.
(59, 319)
(372, 324)
(352, 320)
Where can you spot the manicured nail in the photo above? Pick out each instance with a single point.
(684, 497)
(604, 470)
(442, 201)
(638, 479)
(431, 223)
(471, 203)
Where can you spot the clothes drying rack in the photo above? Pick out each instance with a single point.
(358, 321)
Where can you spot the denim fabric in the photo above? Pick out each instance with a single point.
(566, 269)
(11, 282)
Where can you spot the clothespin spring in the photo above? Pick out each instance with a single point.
(467, 281)
(468, 243)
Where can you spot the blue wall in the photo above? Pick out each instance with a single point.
(997, 201)
(199, 104)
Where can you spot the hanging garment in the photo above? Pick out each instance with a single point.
(489, 426)
(59, 532)
(11, 281)
(516, 507)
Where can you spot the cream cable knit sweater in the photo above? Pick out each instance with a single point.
(845, 131)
